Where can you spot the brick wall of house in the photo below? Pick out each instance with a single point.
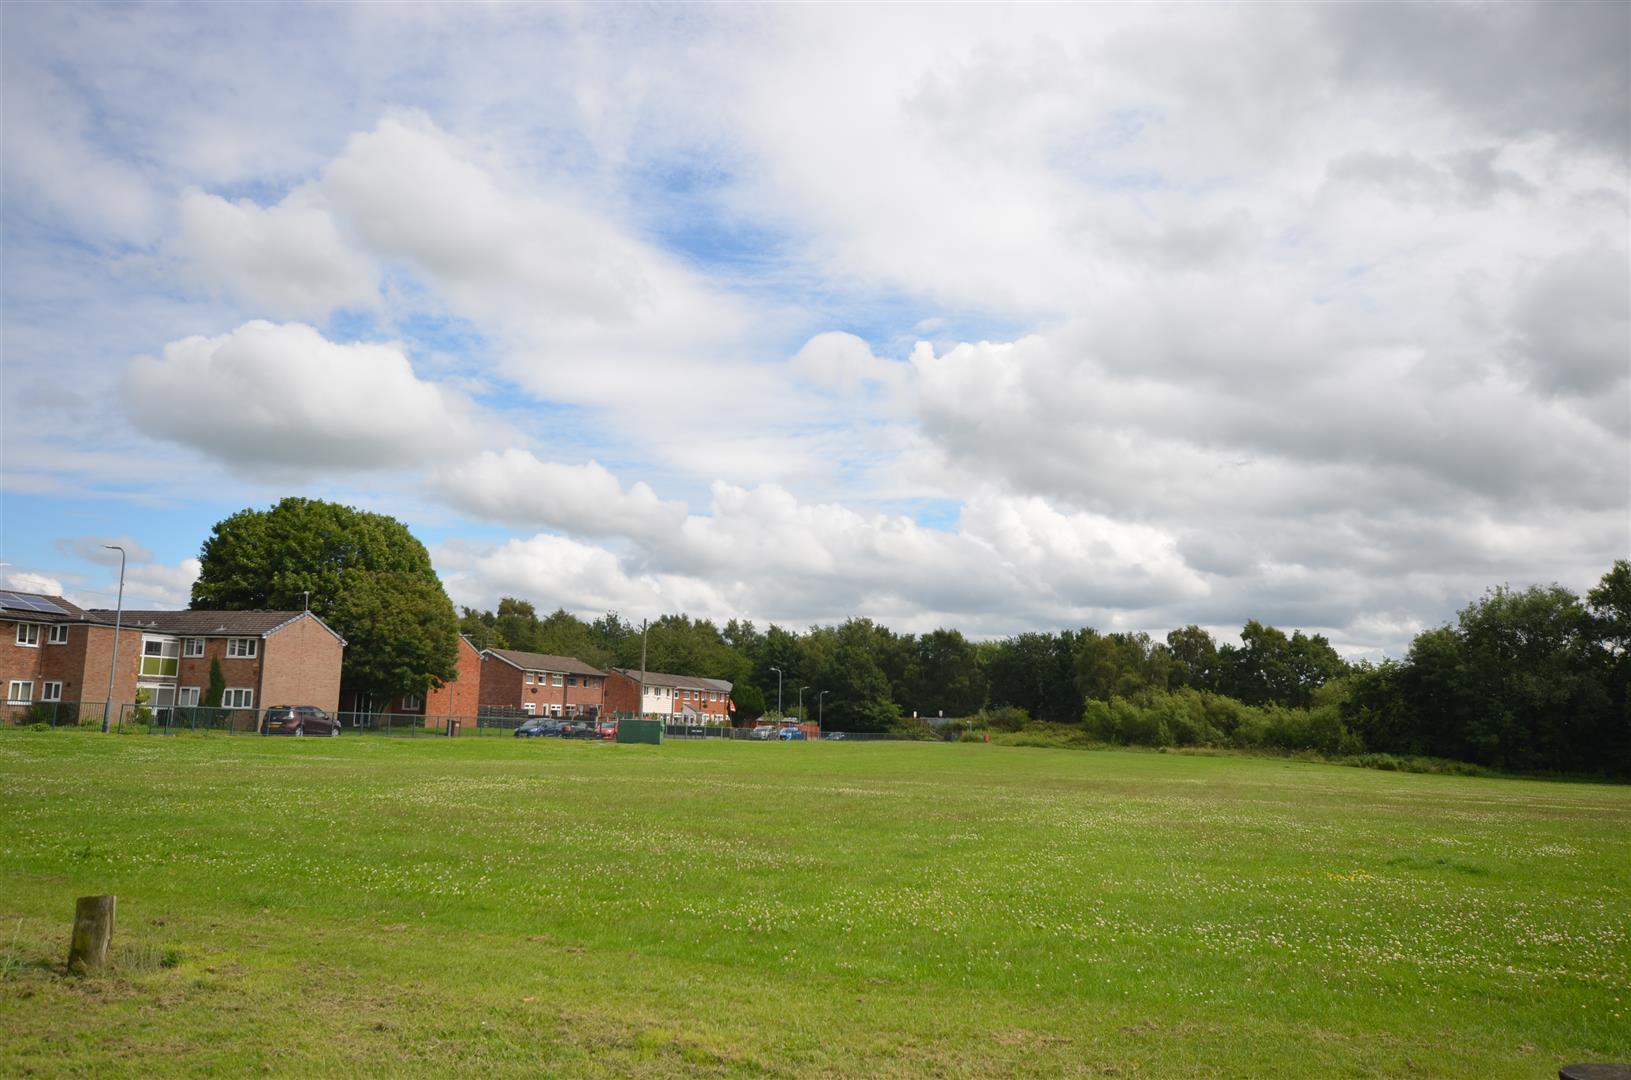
(505, 686)
(500, 684)
(299, 665)
(462, 696)
(237, 671)
(622, 694)
(98, 655)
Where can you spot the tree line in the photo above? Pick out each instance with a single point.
(1535, 679)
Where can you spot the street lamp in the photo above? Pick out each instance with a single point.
(118, 616)
(778, 672)
(801, 703)
(821, 712)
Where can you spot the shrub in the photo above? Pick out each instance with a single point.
(1003, 718)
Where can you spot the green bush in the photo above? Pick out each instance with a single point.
(1003, 718)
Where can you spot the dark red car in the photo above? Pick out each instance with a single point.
(299, 720)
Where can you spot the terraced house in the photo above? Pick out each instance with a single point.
(683, 698)
(518, 683)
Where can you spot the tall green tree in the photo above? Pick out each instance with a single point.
(364, 574)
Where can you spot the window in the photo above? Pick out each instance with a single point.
(412, 703)
(243, 647)
(159, 656)
(21, 692)
(571, 680)
(529, 678)
(194, 647)
(529, 707)
(59, 634)
(189, 697)
(554, 710)
(51, 691)
(28, 634)
(238, 698)
(556, 679)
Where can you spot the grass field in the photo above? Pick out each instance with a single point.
(393, 907)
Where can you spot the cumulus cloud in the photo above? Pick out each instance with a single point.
(159, 585)
(761, 553)
(287, 260)
(1309, 314)
(282, 398)
(29, 581)
(518, 488)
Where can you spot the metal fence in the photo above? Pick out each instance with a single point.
(171, 720)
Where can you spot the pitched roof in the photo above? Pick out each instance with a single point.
(531, 661)
(681, 682)
(209, 623)
(35, 607)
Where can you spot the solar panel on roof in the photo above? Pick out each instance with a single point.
(25, 602)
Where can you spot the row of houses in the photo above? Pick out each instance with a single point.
(53, 651)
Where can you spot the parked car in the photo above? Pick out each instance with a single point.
(608, 729)
(538, 727)
(578, 729)
(299, 720)
(833, 736)
(764, 732)
(790, 734)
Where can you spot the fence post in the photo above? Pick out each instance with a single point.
(93, 930)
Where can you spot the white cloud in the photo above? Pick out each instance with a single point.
(760, 553)
(158, 585)
(285, 260)
(281, 398)
(29, 581)
(517, 488)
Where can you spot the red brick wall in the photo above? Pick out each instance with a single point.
(99, 654)
(505, 686)
(462, 696)
(299, 665)
(622, 693)
(500, 684)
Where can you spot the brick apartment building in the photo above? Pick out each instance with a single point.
(534, 684)
(53, 651)
(684, 698)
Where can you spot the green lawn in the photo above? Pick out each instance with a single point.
(370, 906)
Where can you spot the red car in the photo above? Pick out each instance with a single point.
(299, 720)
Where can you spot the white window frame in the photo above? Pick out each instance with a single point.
(23, 697)
(529, 707)
(193, 646)
(412, 703)
(58, 635)
(28, 635)
(557, 679)
(571, 680)
(243, 648)
(238, 697)
(51, 690)
(529, 678)
(188, 696)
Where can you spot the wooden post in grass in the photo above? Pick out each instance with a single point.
(93, 930)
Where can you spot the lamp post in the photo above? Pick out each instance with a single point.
(801, 703)
(821, 712)
(778, 672)
(118, 617)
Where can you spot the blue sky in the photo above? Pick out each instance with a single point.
(989, 317)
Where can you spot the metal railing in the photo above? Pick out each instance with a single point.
(177, 719)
